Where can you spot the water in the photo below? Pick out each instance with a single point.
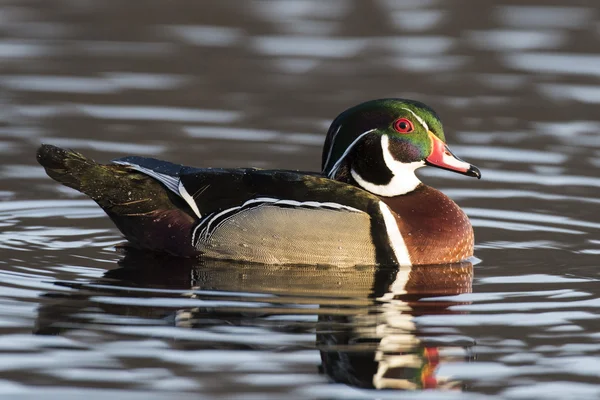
(220, 84)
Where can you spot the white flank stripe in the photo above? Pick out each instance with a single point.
(331, 147)
(396, 240)
(217, 216)
(418, 118)
(331, 174)
(188, 199)
(194, 233)
(260, 200)
(300, 203)
(268, 200)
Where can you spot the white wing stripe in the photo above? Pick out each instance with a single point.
(188, 199)
(170, 182)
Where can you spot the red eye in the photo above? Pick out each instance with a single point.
(403, 125)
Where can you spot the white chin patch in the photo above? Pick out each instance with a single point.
(404, 180)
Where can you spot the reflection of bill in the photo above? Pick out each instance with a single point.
(383, 348)
(417, 368)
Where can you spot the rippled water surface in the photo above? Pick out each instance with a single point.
(256, 83)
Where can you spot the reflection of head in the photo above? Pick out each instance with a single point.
(381, 347)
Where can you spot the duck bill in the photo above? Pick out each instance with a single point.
(442, 157)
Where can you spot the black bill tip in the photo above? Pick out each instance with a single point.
(473, 171)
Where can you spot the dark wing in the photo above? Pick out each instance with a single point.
(275, 216)
(163, 171)
(214, 189)
(218, 189)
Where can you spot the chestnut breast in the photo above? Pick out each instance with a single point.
(434, 228)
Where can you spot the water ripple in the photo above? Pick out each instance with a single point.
(516, 87)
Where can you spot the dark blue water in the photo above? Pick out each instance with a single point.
(256, 84)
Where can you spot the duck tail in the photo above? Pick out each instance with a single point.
(114, 187)
(67, 166)
(138, 204)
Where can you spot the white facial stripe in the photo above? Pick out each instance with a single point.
(403, 181)
(417, 118)
(331, 147)
(396, 187)
(336, 166)
(188, 199)
(396, 240)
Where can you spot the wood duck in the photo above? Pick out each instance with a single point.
(366, 207)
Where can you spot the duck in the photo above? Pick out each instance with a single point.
(365, 207)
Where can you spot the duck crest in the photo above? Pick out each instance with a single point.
(379, 144)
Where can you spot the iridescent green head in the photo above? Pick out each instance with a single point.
(380, 143)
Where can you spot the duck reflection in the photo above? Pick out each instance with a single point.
(367, 329)
(382, 347)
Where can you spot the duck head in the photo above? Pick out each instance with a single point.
(379, 144)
